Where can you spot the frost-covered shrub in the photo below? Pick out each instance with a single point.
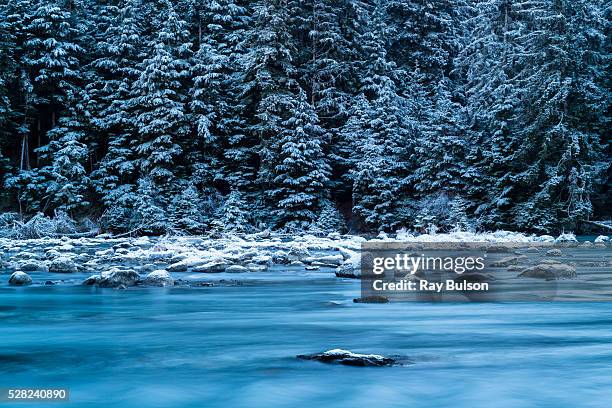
(39, 226)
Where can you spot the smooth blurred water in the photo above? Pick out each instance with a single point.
(235, 346)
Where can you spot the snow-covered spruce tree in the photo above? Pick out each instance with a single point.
(379, 129)
(159, 105)
(116, 69)
(233, 215)
(216, 153)
(149, 215)
(486, 64)
(66, 182)
(7, 70)
(51, 56)
(185, 211)
(563, 71)
(326, 60)
(440, 167)
(300, 174)
(329, 218)
(268, 92)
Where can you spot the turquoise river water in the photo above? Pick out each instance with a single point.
(235, 346)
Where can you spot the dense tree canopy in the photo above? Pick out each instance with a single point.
(199, 115)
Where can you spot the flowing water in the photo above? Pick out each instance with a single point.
(234, 345)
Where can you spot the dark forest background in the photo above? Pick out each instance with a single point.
(306, 114)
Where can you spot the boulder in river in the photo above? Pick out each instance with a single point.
(335, 260)
(52, 254)
(345, 357)
(116, 277)
(32, 265)
(20, 279)
(211, 267)
(26, 255)
(62, 265)
(549, 271)
(159, 278)
(554, 252)
(92, 280)
(602, 239)
(566, 239)
(236, 269)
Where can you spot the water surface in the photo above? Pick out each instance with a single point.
(235, 346)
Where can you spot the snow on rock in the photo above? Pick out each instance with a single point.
(26, 255)
(20, 279)
(236, 269)
(211, 267)
(33, 265)
(159, 278)
(325, 259)
(566, 238)
(62, 265)
(345, 357)
(602, 239)
(52, 254)
(116, 277)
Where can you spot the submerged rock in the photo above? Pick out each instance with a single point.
(371, 299)
(549, 271)
(159, 278)
(554, 252)
(20, 279)
(345, 357)
(62, 265)
(509, 260)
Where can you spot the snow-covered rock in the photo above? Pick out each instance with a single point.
(92, 280)
(159, 278)
(52, 254)
(33, 265)
(62, 265)
(106, 252)
(345, 357)
(236, 269)
(602, 239)
(20, 279)
(211, 267)
(26, 255)
(117, 277)
(566, 238)
(325, 259)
